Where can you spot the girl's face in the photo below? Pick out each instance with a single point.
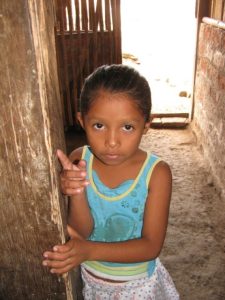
(114, 126)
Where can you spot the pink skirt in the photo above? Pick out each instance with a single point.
(159, 286)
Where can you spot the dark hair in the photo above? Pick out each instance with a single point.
(117, 79)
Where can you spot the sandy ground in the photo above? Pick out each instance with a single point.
(194, 249)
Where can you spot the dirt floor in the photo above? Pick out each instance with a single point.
(194, 250)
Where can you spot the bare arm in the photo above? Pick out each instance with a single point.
(146, 248)
(73, 181)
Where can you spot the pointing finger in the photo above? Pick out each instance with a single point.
(64, 160)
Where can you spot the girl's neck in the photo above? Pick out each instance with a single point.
(113, 175)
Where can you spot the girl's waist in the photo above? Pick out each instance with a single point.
(117, 272)
(103, 279)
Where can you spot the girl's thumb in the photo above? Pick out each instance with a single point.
(82, 164)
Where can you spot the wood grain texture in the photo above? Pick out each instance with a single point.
(32, 211)
(86, 39)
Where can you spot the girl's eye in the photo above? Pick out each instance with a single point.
(128, 128)
(98, 126)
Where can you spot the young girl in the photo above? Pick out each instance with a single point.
(120, 195)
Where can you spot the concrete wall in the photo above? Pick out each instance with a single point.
(209, 109)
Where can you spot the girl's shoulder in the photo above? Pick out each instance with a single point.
(162, 166)
(76, 154)
(161, 172)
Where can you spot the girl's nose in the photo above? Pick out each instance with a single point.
(112, 139)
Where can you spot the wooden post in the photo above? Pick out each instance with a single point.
(32, 211)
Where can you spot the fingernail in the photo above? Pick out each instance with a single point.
(55, 248)
(52, 271)
(44, 263)
(45, 255)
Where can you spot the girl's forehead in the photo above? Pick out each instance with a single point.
(106, 98)
(115, 106)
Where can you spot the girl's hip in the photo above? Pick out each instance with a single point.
(158, 286)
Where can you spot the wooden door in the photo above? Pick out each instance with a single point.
(88, 34)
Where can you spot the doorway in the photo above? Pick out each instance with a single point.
(158, 38)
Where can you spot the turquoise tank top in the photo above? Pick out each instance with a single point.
(118, 216)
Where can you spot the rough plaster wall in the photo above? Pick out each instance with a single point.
(32, 211)
(209, 120)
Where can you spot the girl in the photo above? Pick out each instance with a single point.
(120, 195)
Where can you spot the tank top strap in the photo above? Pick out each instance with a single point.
(86, 153)
(87, 156)
(152, 161)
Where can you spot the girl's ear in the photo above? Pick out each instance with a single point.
(80, 119)
(147, 126)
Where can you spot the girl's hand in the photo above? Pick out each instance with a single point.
(65, 257)
(73, 182)
(73, 177)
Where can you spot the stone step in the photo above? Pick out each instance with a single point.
(170, 122)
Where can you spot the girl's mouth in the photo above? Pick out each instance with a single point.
(112, 156)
